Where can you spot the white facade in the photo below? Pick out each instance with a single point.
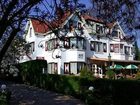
(87, 39)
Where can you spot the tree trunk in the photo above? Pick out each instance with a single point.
(8, 42)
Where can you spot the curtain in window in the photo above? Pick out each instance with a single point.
(66, 68)
(80, 65)
(111, 48)
(49, 68)
(116, 48)
(73, 43)
(104, 47)
(121, 48)
(100, 47)
(73, 68)
(92, 46)
(80, 43)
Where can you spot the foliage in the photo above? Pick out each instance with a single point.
(126, 11)
(13, 16)
(86, 73)
(5, 98)
(110, 74)
(32, 67)
(138, 75)
(137, 52)
(105, 91)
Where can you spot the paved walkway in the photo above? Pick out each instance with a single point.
(28, 95)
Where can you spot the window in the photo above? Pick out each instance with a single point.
(116, 48)
(121, 48)
(67, 43)
(78, 43)
(111, 48)
(127, 50)
(104, 47)
(98, 29)
(80, 65)
(52, 68)
(75, 67)
(66, 68)
(81, 43)
(100, 47)
(48, 45)
(132, 50)
(115, 33)
(73, 42)
(96, 46)
(101, 29)
(32, 47)
(92, 46)
(51, 44)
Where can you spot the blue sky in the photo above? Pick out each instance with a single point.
(137, 33)
(88, 4)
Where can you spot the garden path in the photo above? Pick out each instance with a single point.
(28, 95)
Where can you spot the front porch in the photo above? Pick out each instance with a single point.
(100, 65)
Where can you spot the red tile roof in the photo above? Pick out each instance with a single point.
(110, 25)
(39, 26)
(43, 27)
(87, 17)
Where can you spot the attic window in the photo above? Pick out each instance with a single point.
(98, 29)
(115, 34)
(30, 31)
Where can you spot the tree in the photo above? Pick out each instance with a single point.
(13, 13)
(127, 12)
(137, 52)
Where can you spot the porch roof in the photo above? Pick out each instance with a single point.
(102, 60)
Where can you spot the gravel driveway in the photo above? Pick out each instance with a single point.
(28, 95)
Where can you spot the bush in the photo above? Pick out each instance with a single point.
(5, 98)
(110, 74)
(86, 73)
(106, 91)
(138, 75)
(31, 70)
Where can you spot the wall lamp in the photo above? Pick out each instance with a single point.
(58, 56)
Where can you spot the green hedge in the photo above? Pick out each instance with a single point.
(31, 70)
(106, 92)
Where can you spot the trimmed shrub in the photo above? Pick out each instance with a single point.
(105, 92)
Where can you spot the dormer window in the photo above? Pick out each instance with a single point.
(98, 29)
(115, 34)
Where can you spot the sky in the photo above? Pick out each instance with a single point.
(88, 4)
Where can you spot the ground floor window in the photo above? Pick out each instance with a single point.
(52, 68)
(73, 67)
(66, 68)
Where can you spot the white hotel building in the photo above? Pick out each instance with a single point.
(85, 40)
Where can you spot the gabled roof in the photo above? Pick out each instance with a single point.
(43, 27)
(87, 17)
(39, 26)
(110, 25)
(91, 18)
